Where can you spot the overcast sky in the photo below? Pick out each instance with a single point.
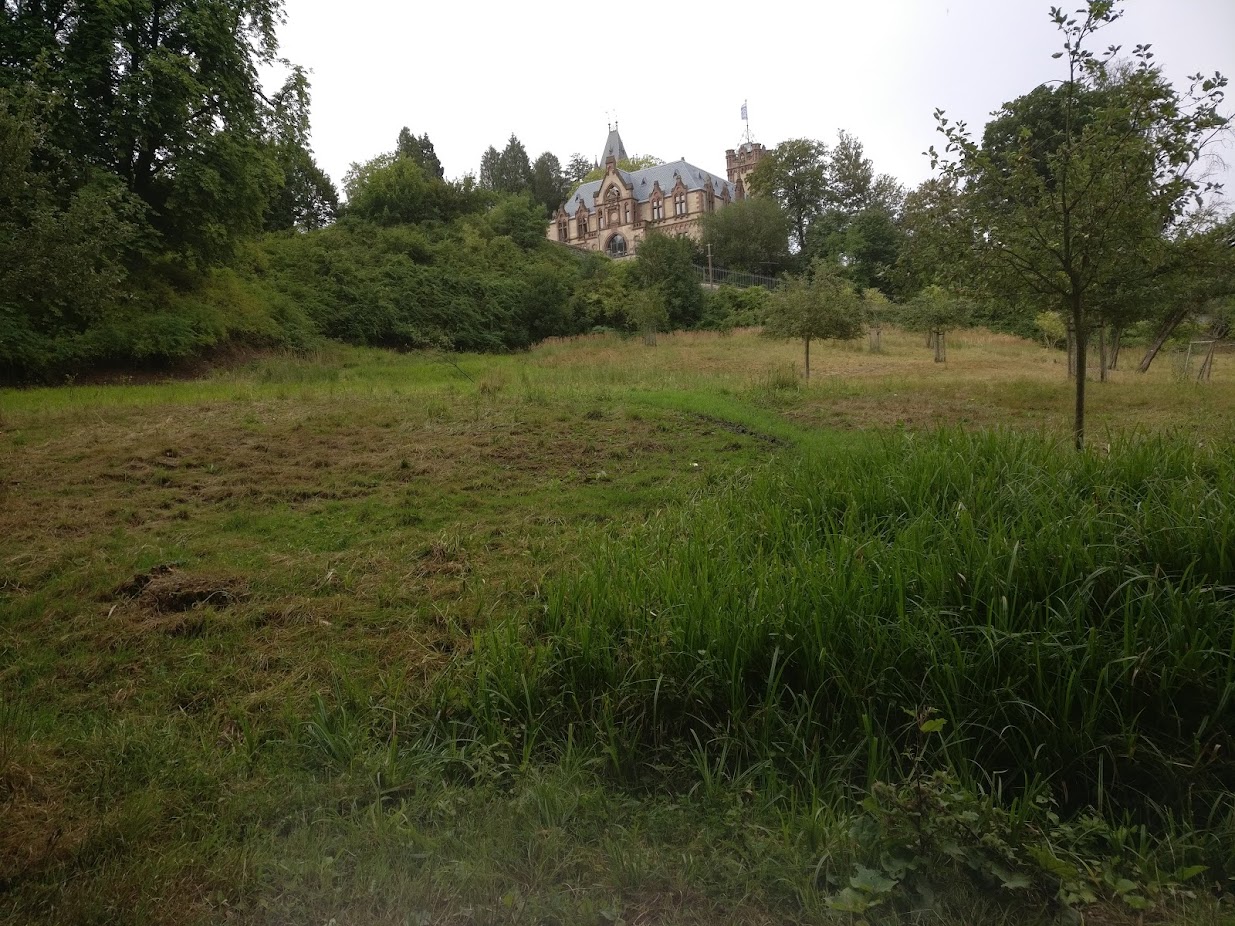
(675, 75)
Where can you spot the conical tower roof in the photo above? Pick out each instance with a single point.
(614, 147)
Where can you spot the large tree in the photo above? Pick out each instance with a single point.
(751, 235)
(1059, 223)
(508, 170)
(795, 175)
(420, 149)
(549, 186)
(164, 94)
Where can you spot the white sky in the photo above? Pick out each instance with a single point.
(471, 72)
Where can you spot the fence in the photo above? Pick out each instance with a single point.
(717, 276)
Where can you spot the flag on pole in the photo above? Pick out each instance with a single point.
(744, 112)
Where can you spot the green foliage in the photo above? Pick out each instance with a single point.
(393, 190)
(751, 235)
(821, 306)
(508, 170)
(638, 162)
(728, 307)
(421, 151)
(667, 263)
(795, 175)
(1052, 327)
(306, 198)
(164, 97)
(934, 310)
(1082, 193)
(548, 186)
(647, 313)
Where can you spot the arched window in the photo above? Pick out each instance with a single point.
(616, 246)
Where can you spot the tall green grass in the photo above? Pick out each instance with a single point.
(1071, 618)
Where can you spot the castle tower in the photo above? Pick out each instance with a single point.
(744, 159)
(741, 161)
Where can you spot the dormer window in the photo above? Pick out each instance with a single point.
(658, 209)
(582, 225)
(679, 203)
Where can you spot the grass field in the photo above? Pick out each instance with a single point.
(369, 638)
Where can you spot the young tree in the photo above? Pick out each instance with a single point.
(935, 311)
(647, 313)
(876, 309)
(819, 306)
(1094, 206)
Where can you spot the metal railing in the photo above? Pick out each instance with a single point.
(718, 276)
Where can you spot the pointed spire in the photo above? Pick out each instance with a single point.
(614, 147)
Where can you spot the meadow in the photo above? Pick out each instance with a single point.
(613, 633)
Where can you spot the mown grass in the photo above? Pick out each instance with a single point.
(229, 607)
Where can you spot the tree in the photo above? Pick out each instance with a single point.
(577, 168)
(795, 175)
(421, 151)
(548, 183)
(821, 305)
(647, 313)
(666, 263)
(935, 311)
(306, 198)
(163, 94)
(750, 235)
(876, 310)
(638, 162)
(393, 190)
(1094, 207)
(64, 241)
(507, 171)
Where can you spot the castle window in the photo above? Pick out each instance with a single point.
(563, 231)
(679, 204)
(627, 222)
(582, 225)
(658, 209)
(616, 246)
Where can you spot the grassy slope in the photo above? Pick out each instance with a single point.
(220, 597)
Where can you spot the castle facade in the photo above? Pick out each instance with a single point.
(616, 212)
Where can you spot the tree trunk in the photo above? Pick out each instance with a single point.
(807, 359)
(1080, 336)
(930, 338)
(1207, 365)
(876, 344)
(1071, 337)
(1102, 354)
(1164, 331)
(941, 347)
(1116, 337)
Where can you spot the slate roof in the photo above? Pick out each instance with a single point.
(614, 147)
(643, 181)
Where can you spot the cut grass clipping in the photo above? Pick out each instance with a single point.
(996, 606)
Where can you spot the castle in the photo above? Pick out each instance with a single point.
(613, 214)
